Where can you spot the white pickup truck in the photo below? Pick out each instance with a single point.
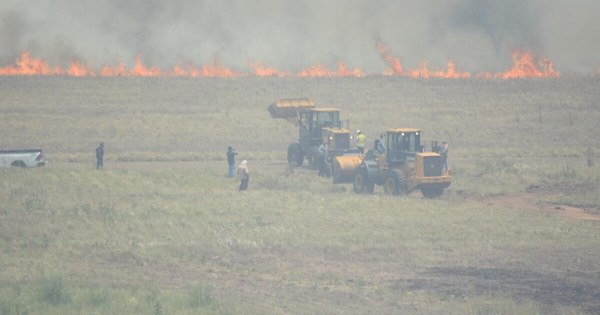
(22, 158)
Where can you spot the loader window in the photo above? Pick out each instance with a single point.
(328, 119)
(402, 141)
(411, 142)
(399, 144)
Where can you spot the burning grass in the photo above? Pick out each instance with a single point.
(524, 65)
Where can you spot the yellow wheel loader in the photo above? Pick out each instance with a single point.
(315, 125)
(400, 164)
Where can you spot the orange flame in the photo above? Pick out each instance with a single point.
(117, 71)
(140, 69)
(78, 69)
(316, 71)
(396, 67)
(322, 71)
(421, 71)
(216, 70)
(189, 71)
(345, 72)
(451, 73)
(524, 65)
(25, 65)
(262, 71)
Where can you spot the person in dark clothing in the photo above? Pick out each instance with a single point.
(100, 156)
(231, 160)
(444, 155)
(378, 146)
(323, 168)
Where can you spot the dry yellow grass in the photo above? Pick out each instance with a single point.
(162, 230)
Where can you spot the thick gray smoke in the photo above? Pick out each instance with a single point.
(505, 25)
(478, 35)
(512, 21)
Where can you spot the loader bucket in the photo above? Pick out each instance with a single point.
(344, 168)
(288, 108)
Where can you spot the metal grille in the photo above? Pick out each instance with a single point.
(342, 141)
(432, 166)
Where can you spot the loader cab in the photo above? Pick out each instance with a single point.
(402, 145)
(314, 120)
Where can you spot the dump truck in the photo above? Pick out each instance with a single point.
(315, 125)
(403, 165)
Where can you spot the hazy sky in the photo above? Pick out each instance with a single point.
(294, 34)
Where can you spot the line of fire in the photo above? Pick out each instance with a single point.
(524, 65)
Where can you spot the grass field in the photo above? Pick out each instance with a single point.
(161, 230)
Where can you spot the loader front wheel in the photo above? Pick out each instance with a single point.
(295, 156)
(362, 184)
(394, 183)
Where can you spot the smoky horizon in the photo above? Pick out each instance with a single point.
(477, 35)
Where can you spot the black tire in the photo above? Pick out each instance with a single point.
(360, 181)
(299, 157)
(295, 155)
(432, 193)
(328, 170)
(313, 162)
(370, 187)
(20, 164)
(291, 153)
(362, 184)
(394, 183)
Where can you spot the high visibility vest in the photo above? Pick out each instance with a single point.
(361, 140)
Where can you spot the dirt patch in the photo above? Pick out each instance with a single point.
(531, 201)
(573, 289)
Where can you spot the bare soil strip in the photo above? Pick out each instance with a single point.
(531, 201)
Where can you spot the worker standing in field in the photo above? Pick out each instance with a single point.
(100, 156)
(361, 140)
(231, 153)
(444, 155)
(323, 148)
(244, 174)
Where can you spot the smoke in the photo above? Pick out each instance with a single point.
(497, 27)
(478, 35)
(12, 32)
(506, 24)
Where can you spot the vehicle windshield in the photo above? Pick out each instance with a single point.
(404, 141)
(328, 119)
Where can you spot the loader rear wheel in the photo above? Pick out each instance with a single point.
(432, 193)
(295, 155)
(362, 184)
(394, 183)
